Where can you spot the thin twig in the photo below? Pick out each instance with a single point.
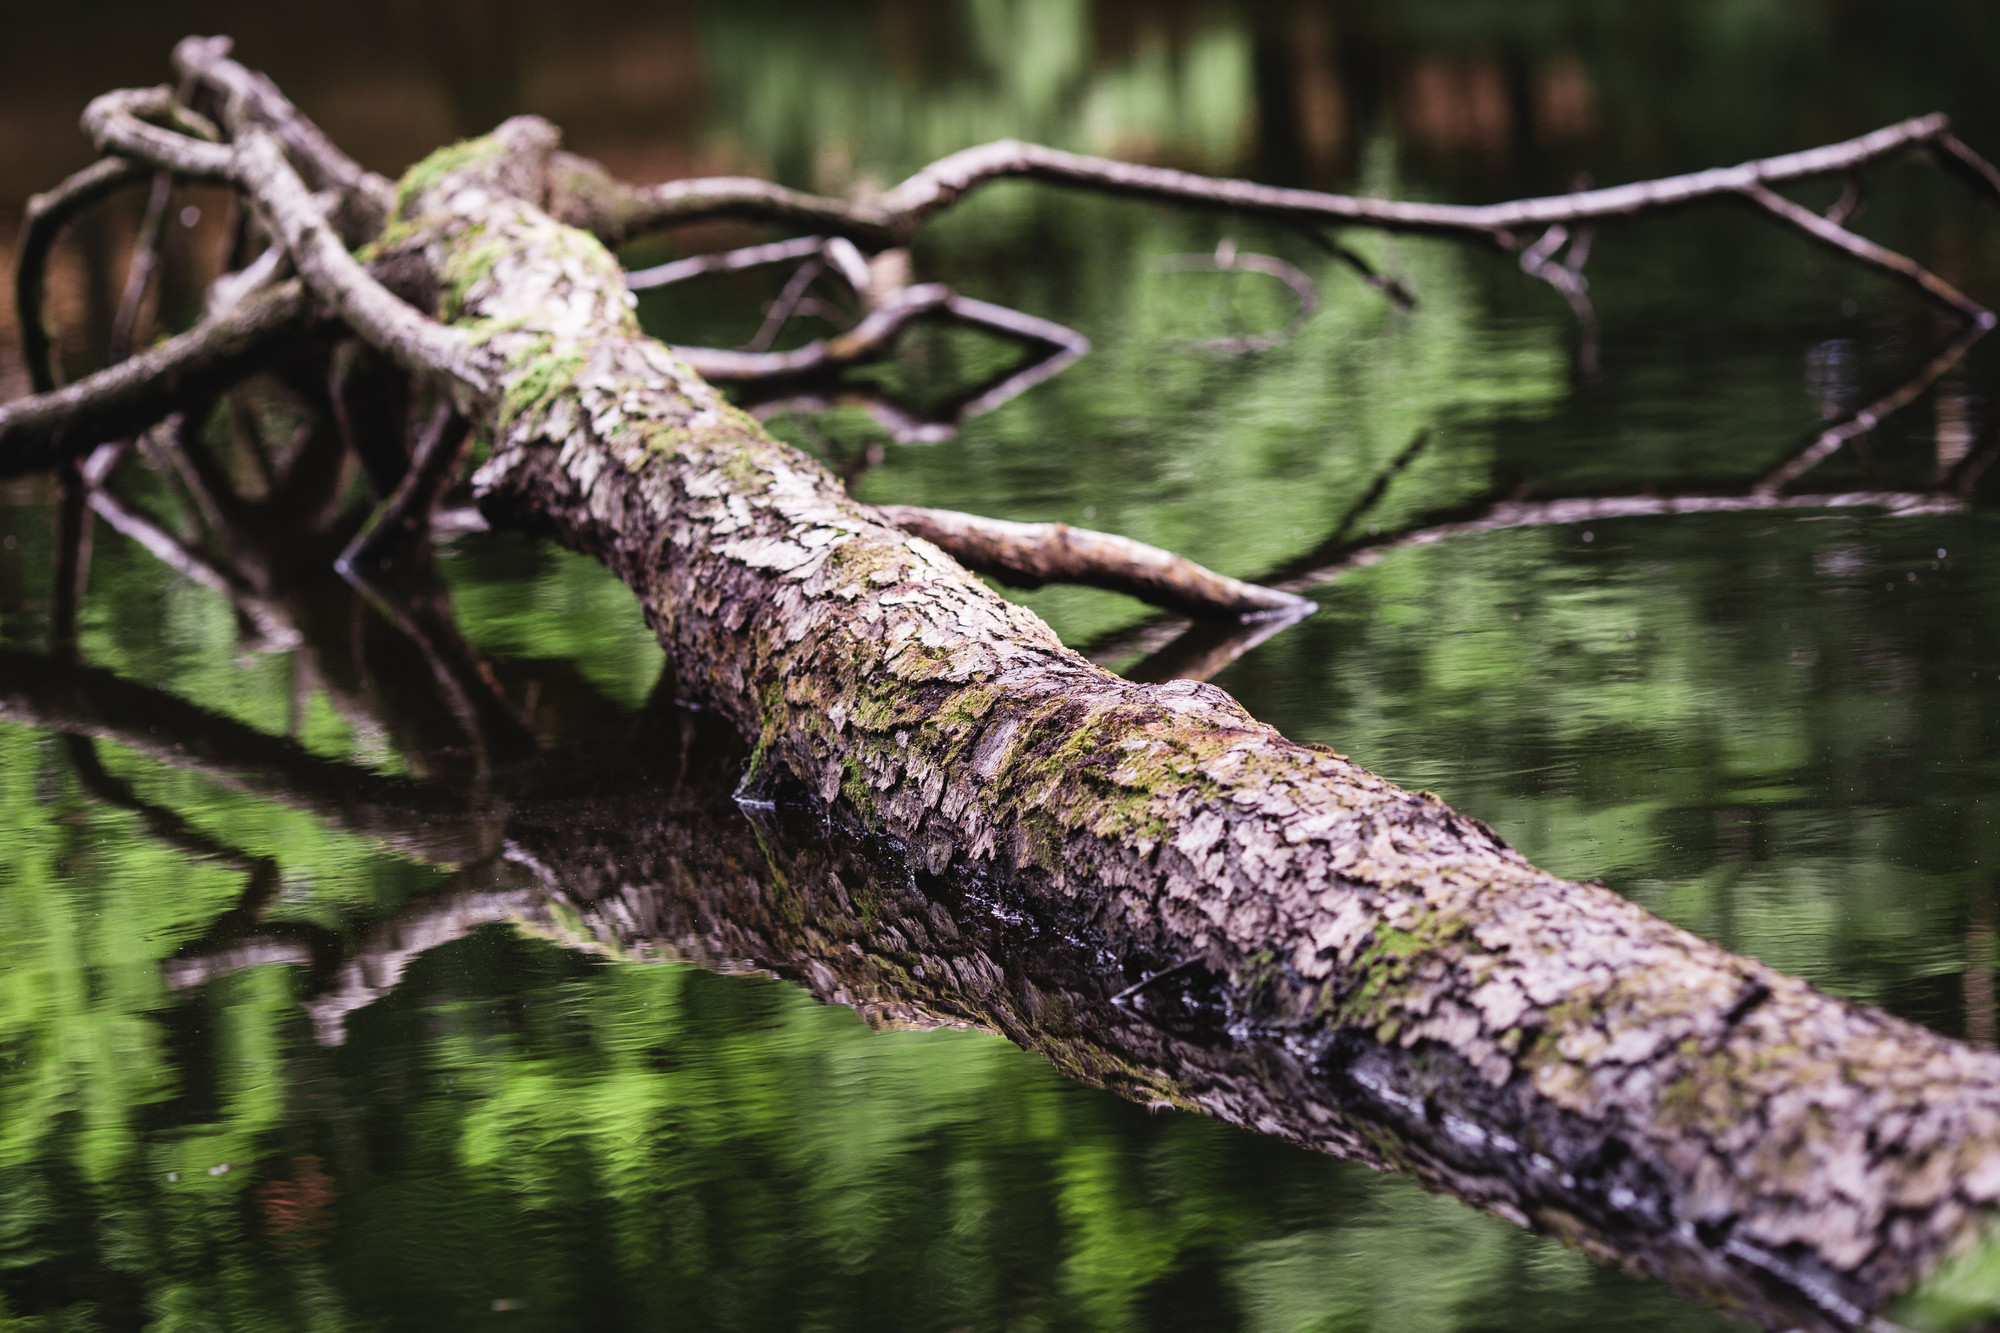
(787, 304)
(1161, 975)
(1852, 193)
(145, 263)
(1511, 514)
(724, 261)
(1380, 485)
(1830, 233)
(1392, 287)
(936, 423)
(405, 515)
(1539, 261)
(1826, 442)
(874, 333)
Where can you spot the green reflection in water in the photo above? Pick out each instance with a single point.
(1761, 727)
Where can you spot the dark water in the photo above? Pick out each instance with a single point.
(1775, 728)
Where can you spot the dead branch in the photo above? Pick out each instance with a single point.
(144, 265)
(874, 333)
(1825, 443)
(619, 212)
(1566, 276)
(586, 196)
(1598, 508)
(420, 345)
(728, 261)
(47, 215)
(405, 515)
(246, 98)
(124, 123)
(1832, 234)
(122, 400)
(1028, 555)
(1390, 286)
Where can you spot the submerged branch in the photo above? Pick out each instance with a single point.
(1507, 514)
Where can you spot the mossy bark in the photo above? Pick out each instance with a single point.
(1541, 1048)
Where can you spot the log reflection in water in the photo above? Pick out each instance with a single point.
(638, 850)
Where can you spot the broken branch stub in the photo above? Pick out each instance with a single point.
(1032, 554)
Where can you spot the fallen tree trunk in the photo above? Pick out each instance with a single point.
(1540, 1048)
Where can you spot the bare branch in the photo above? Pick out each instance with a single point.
(1539, 261)
(121, 400)
(944, 181)
(47, 215)
(1598, 508)
(1852, 195)
(1392, 287)
(413, 340)
(585, 195)
(788, 304)
(405, 515)
(1032, 554)
(1955, 156)
(145, 263)
(1827, 442)
(724, 261)
(873, 333)
(250, 99)
(937, 423)
(120, 122)
(627, 211)
(1831, 233)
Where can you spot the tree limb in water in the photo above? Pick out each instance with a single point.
(1415, 994)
